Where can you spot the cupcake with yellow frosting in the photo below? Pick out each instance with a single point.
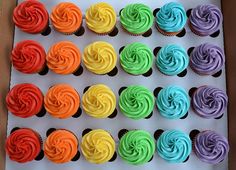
(98, 146)
(61, 146)
(100, 57)
(66, 18)
(99, 101)
(101, 18)
(62, 101)
(64, 58)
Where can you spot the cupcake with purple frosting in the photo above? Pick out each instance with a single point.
(207, 59)
(210, 147)
(205, 20)
(209, 102)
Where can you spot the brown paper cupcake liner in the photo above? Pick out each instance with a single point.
(166, 33)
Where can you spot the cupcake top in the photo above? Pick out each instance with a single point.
(31, 16)
(101, 17)
(62, 101)
(23, 145)
(99, 101)
(98, 146)
(136, 102)
(136, 58)
(174, 146)
(24, 100)
(66, 17)
(136, 18)
(136, 147)
(205, 19)
(172, 60)
(171, 17)
(99, 57)
(209, 102)
(28, 57)
(63, 57)
(61, 146)
(211, 147)
(173, 102)
(207, 59)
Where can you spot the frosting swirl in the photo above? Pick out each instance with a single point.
(61, 146)
(136, 58)
(136, 18)
(205, 19)
(101, 17)
(173, 102)
(99, 57)
(23, 145)
(209, 102)
(63, 57)
(171, 17)
(98, 146)
(31, 16)
(174, 146)
(207, 59)
(172, 60)
(99, 101)
(62, 101)
(211, 147)
(136, 102)
(28, 57)
(66, 17)
(136, 147)
(24, 100)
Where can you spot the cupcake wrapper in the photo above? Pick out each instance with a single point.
(169, 34)
(195, 32)
(130, 32)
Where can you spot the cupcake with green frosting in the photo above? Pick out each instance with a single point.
(136, 147)
(171, 19)
(172, 60)
(174, 146)
(136, 18)
(173, 102)
(136, 102)
(136, 58)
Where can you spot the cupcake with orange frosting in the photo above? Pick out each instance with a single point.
(24, 100)
(101, 18)
(66, 18)
(23, 145)
(62, 101)
(64, 58)
(61, 146)
(31, 16)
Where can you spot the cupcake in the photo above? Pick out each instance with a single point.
(66, 18)
(136, 58)
(28, 57)
(136, 102)
(136, 19)
(209, 102)
(205, 20)
(99, 101)
(174, 146)
(63, 58)
(24, 100)
(61, 146)
(23, 145)
(173, 102)
(31, 17)
(136, 147)
(98, 146)
(210, 147)
(207, 59)
(62, 101)
(171, 19)
(101, 18)
(172, 60)
(99, 57)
